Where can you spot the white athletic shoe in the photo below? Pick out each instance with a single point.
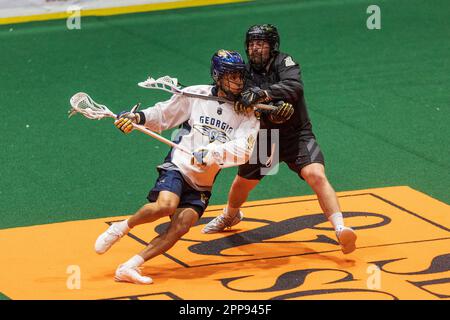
(221, 222)
(347, 239)
(133, 275)
(107, 239)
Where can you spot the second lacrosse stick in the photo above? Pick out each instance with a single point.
(170, 85)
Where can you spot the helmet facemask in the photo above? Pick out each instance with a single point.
(227, 71)
(259, 53)
(232, 83)
(258, 37)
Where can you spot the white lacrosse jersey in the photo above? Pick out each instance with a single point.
(230, 136)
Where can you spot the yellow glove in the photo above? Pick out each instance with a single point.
(125, 121)
(282, 114)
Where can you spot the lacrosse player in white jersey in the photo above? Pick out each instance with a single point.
(220, 138)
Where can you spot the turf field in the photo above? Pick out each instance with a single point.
(378, 99)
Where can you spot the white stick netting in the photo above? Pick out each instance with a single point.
(83, 103)
(165, 83)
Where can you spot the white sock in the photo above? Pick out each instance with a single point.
(134, 262)
(337, 221)
(230, 212)
(123, 226)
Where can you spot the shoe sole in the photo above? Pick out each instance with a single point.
(130, 281)
(347, 240)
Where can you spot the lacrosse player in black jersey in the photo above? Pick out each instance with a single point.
(273, 76)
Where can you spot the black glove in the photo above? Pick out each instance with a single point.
(283, 112)
(252, 96)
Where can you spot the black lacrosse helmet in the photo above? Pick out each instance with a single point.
(267, 32)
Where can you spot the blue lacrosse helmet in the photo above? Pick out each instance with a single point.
(226, 61)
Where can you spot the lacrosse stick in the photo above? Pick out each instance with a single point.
(83, 103)
(169, 84)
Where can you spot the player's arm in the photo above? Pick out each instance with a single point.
(164, 115)
(234, 152)
(290, 86)
(168, 114)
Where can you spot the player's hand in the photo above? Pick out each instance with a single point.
(252, 96)
(283, 112)
(205, 156)
(240, 108)
(200, 157)
(125, 119)
(257, 114)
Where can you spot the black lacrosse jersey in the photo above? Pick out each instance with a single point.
(283, 82)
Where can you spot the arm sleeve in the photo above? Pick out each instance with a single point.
(238, 150)
(167, 114)
(290, 86)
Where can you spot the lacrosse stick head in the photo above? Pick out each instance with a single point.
(83, 103)
(165, 83)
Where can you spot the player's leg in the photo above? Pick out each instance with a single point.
(314, 175)
(192, 205)
(165, 205)
(182, 221)
(310, 166)
(245, 181)
(239, 192)
(164, 198)
(248, 177)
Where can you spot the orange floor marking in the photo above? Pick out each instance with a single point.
(284, 249)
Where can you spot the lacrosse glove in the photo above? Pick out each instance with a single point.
(204, 156)
(125, 119)
(283, 112)
(253, 95)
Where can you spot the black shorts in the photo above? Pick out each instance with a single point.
(173, 181)
(296, 152)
